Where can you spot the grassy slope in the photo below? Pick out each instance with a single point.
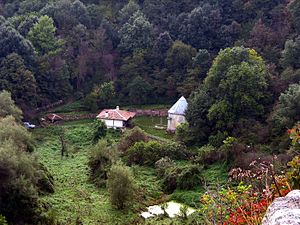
(74, 195)
(147, 123)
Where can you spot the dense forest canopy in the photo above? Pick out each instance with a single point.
(63, 49)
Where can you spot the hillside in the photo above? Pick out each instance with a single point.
(236, 146)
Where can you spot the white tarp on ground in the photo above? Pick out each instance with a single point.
(172, 209)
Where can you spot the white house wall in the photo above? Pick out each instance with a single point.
(113, 123)
(174, 120)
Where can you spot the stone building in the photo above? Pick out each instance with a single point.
(176, 114)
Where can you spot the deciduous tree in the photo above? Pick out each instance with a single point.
(8, 107)
(238, 81)
(18, 80)
(136, 33)
(11, 41)
(42, 36)
(287, 112)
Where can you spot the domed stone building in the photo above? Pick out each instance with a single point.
(176, 114)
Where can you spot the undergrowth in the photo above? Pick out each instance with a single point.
(75, 198)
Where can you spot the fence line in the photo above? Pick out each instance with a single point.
(149, 112)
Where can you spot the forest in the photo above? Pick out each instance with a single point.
(237, 62)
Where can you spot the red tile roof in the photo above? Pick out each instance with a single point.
(115, 114)
(54, 116)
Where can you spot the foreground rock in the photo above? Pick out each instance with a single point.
(284, 211)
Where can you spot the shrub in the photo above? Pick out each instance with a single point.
(208, 154)
(8, 107)
(101, 158)
(120, 185)
(147, 153)
(130, 138)
(11, 130)
(144, 153)
(115, 133)
(162, 165)
(46, 181)
(100, 130)
(2, 220)
(238, 205)
(22, 178)
(185, 177)
(217, 139)
(294, 172)
(244, 159)
(247, 203)
(19, 201)
(190, 177)
(183, 134)
(294, 165)
(280, 143)
(175, 151)
(169, 179)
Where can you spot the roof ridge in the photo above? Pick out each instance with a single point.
(119, 114)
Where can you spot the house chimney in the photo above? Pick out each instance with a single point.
(117, 108)
(106, 114)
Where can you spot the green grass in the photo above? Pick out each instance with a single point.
(147, 181)
(70, 107)
(79, 106)
(190, 198)
(75, 197)
(147, 123)
(74, 113)
(216, 174)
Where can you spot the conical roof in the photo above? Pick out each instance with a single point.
(179, 107)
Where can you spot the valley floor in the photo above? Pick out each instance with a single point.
(78, 201)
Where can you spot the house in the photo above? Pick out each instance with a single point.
(176, 114)
(53, 117)
(116, 118)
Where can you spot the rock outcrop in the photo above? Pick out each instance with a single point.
(284, 210)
